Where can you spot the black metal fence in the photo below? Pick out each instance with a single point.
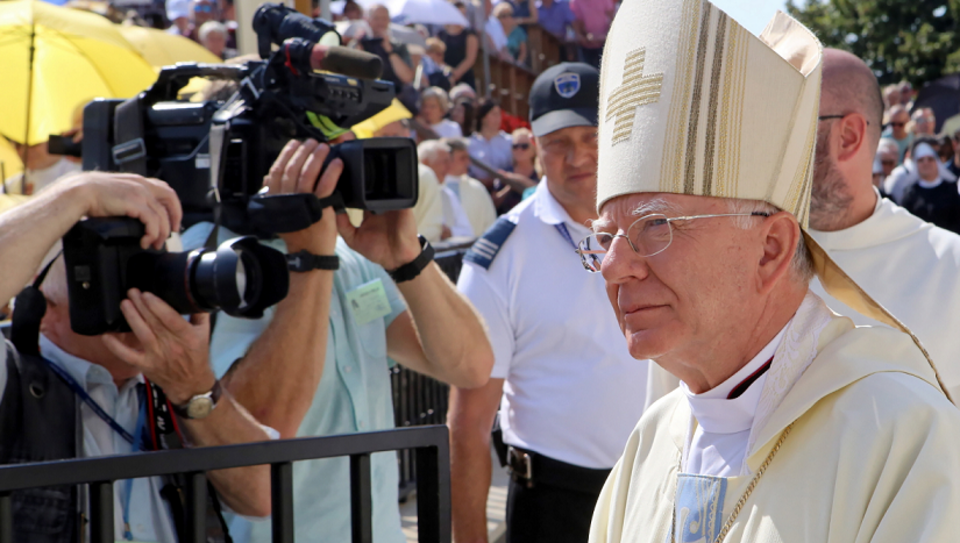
(432, 468)
(418, 399)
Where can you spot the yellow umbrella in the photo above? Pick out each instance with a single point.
(54, 59)
(162, 49)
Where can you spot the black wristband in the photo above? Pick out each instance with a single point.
(412, 269)
(303, 262)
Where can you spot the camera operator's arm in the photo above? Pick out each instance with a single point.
(174, 354)
(28, 231)
(441, 334)
(279, 375)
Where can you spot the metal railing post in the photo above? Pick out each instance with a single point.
(101, 512)
(433, 496)
(281, 496)
(361, 509)
(196, 507)
(6, 519)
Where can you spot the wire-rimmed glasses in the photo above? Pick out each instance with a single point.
(647, 236)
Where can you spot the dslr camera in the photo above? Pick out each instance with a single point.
(103, 258)
(214, 154)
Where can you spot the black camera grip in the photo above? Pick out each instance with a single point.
(284, 213)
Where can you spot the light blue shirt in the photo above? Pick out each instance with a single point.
(354, 395)
(497, 152)
(150, 518)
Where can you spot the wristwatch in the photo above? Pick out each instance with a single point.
(201, 405)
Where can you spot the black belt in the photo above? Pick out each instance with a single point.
(530, 468)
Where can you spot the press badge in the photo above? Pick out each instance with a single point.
(368, 302)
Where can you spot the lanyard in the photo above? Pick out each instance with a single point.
(79, 391)
(562, 228)
(134, 440)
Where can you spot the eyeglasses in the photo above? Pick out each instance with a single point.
(523, 146)
(894, 123)
(647, 236)
(828, 117)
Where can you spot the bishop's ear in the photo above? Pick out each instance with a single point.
(780, 236)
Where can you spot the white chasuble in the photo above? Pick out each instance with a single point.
(871, 454)
(912, 268)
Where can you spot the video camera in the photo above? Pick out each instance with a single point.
(214, 154)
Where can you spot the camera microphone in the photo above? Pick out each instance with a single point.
(346, 61)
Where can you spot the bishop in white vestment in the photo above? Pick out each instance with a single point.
(791, 424)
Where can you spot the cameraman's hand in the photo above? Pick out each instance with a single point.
(388, 239)
(150, 201)
(296, 171)
(172, 352)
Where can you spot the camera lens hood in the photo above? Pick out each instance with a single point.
(242, 278)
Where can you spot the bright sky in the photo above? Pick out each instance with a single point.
(753, 14)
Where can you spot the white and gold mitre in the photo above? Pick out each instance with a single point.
(692, 103)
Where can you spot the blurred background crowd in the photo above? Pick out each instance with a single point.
(462, 68)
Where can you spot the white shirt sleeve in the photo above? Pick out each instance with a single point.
(429, 208)
(475, 285)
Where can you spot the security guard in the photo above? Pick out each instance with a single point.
(571, 393)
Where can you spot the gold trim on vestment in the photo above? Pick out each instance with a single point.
(690, 169)
(710, 151)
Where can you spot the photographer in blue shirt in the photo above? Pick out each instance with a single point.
(317, 363)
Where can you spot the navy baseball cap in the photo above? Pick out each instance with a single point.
(564, 95)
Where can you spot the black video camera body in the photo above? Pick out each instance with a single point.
(215, 153)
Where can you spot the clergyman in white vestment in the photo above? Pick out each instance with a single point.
(909, 266)
(791, 424)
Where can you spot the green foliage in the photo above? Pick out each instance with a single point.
(913, 40)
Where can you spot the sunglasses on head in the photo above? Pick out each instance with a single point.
(523, 146)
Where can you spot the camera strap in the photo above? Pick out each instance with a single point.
(130, 151)
(30, 307)
(283, 213)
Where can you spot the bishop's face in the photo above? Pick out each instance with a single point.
(687, 301)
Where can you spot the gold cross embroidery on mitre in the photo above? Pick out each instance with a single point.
(636, 90)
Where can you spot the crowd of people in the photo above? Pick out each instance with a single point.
(915, 166)
(654, 326)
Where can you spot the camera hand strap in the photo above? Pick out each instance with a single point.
(283, 213)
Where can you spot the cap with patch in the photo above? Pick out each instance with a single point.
(564, 95)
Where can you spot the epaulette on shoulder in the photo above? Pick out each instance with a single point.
(485, 249)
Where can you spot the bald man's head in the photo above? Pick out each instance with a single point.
(849, 86)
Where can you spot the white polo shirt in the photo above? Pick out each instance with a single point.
(572, 391)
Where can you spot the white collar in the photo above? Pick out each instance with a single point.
(930, 184)
(548, 209)
(85, 373)
(719, 415)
